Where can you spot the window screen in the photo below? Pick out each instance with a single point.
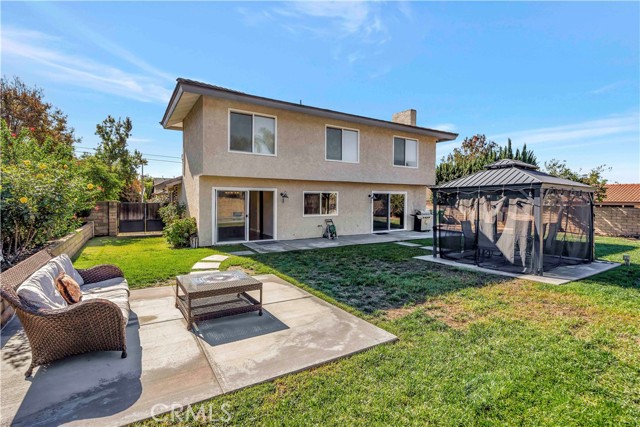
(342, 144)
(241, 132)
(320, 203)
(405, 152)
(252, 133)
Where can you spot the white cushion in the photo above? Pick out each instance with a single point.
(105, 285)
(40, 289)
(64, 263)
(119, 296)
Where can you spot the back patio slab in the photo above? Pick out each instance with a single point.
(170, 366)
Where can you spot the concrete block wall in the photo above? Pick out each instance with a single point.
(105, 218)
(72, 243)
(617, 221)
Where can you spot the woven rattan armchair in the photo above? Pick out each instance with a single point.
(92, 325)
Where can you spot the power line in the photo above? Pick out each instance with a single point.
(144, 154)
(146, 158)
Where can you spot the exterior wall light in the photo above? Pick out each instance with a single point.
(284, 196)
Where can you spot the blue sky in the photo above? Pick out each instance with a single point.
(563, 77)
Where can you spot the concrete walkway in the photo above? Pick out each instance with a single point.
(170, 366)
(319, 242)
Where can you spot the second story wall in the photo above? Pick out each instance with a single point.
(300, 149)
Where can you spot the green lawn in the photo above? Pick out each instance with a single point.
(474, 349)
(145, 261)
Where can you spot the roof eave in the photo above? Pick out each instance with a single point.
(183, 86)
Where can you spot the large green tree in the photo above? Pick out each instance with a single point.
(23, 108)
(475, 153)
(594, 177)
(113, 151)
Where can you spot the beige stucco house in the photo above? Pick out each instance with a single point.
(256, 168)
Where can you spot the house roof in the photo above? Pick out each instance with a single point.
(622, 193)
(166, 183)
(187, 92)
(511, 173)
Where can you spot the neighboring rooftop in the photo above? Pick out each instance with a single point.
(622, 194)
(187, 92)
(510, 173)
(160, 184)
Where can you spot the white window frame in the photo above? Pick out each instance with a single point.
(357, 131)
(214, 214)
(393, 152)
(304, 193)
(406, 213)
(253, 143)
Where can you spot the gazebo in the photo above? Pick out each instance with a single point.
(514, 218)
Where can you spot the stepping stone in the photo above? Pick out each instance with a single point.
(412, 245)
(242, 253)
(205, 265)
(204, 271)
(218, 258)
(429, 248)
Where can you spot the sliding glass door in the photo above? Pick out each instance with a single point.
(380, 212)
(231, 216)
(388, 211)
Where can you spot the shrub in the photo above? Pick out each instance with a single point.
(172, 212)
(42, 192)
(179, 232)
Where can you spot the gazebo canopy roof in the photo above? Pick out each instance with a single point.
(511, 173)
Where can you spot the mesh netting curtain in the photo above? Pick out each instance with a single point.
(502, 229)
(567, 223)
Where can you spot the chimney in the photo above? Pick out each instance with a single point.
(406, 117)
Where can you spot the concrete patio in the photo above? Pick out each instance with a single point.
(170, 366)
(320, 242)
(557, 276)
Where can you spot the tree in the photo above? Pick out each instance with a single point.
(23, 108)
(474, 154)
(113, 152)
(595, 177)
(107, 181)
(41, 192)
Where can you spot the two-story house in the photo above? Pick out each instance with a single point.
(256, 168)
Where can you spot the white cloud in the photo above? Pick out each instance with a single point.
(43, 52)
(333, 20)
(447, 127)
(583, 131)
(607, 88)
(339, 18)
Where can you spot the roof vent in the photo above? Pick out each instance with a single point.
(510, 163)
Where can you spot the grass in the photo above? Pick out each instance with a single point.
(145, 261)
(474, 349)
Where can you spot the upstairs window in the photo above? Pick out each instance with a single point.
(320, 203)
(252, 133)
(342, 145)
(405, 152)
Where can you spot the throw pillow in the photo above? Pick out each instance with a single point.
(68, 288)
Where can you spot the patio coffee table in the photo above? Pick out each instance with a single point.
(209, 295)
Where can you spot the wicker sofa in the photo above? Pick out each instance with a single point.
(56, 330)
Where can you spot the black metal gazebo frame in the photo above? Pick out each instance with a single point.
(515, 184)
